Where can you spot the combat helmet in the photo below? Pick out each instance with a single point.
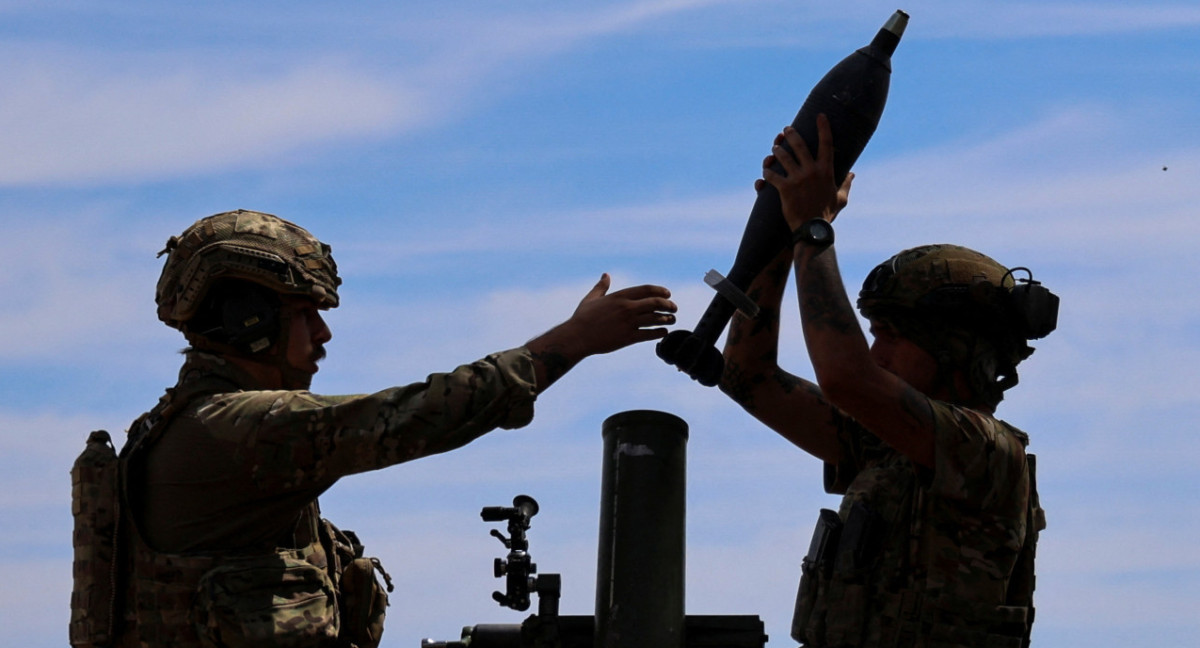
(964, 308)
(242, 246)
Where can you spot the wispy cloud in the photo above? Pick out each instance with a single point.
(78, 116)
(1046, 186)
(75, 119)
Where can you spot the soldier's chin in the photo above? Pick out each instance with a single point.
(300, 377)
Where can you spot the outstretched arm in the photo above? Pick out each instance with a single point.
(602, 323)
(847, 373)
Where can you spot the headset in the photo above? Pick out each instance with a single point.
(239, 313)
(1028, 309)
(1034, 308)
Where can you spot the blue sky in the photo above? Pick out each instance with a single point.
(477, 165)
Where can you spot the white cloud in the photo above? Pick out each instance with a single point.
(86, 118)
(76, 116)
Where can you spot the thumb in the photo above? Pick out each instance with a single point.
(600, 289)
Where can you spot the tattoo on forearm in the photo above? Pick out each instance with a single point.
(787, 381)
(791, 383)
(825, 306)
(743, 327)
(739, 385)
(766, 322)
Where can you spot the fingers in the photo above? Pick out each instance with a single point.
(799, 156)
(648, 292)
(645, 305)
(645, 334)
(792, 162)
(845, 188)
(824, 139)
(654, 317)
(799, 147)
(769, 176)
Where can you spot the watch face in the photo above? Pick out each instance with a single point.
(817, 231)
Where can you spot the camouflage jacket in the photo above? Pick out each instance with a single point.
(235, 467)
(219, 477)
(925, 557)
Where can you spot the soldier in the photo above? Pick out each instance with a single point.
(933, 542)
(222, 536)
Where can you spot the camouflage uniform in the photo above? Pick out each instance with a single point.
(234, 467)
(925, 557)
(235, 473)
(206, 531)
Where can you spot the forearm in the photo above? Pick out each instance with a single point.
(789, 405)
(554, 353)
(752, 345)
(836, 345)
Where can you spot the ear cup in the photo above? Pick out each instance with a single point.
(250, 317)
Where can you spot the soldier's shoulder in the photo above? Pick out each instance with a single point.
(251, 405)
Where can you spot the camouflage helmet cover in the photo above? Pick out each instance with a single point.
(249, 245)
(929, 276)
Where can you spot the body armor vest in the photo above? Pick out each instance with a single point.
(837, 593)
(319, 592)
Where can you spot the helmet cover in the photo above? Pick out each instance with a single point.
(936, 278)
(247, 245)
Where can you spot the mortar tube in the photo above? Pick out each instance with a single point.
(640, 557)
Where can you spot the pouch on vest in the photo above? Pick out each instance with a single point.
(363, 601)
(279, 600)
(807, 620)
(857, 550)
(95, 505)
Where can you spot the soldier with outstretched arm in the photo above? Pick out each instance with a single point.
(219, 538)
(933, 542)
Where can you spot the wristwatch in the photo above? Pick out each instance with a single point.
(817, 231)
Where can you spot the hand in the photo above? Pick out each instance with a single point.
(605, 323)
(600, 324)
(806, 187)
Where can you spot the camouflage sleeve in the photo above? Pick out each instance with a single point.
(296, 440)
(977, 460)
